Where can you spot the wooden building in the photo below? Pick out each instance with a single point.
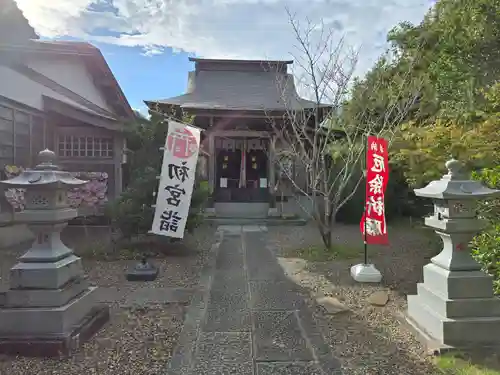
(236, 101)
(62, 96)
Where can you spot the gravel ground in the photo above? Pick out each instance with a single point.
(178, 263)
(367, 339)
(136, 341)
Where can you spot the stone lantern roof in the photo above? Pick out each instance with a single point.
(44, 174)
(454, 185)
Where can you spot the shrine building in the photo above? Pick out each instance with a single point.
(235, 102)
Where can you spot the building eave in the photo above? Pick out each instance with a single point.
(93, 59)
(84, 116)
(305, 105)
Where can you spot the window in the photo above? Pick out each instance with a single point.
(88, 147)
(21, 137)
(6, 136)
(37, 137)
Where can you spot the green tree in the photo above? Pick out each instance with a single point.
(450, 56)
(474, 138)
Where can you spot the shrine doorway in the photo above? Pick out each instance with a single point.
(241, 170)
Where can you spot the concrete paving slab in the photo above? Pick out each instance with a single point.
(280, 368)
(274, 296)
(225, 346)
(223, 319)
(223, 368)
(278, 337)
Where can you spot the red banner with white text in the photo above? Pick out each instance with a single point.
(377, 176)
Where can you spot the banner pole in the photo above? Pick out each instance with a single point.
(366, 203)
(365, 272)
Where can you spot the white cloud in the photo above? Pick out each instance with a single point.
(143, 111)
(221, 28)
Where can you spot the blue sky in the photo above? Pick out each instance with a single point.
(147, 42)
(147, 77)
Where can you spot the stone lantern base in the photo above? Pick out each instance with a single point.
(49, 322)
(50, 308)
(455, 309)
(59, 344)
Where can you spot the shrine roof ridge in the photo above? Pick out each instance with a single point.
(198, 59)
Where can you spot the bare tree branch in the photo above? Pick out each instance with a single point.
(309, 130)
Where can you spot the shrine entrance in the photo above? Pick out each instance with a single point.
(241, 170)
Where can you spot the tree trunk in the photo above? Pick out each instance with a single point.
(326, 236)
(324, 222)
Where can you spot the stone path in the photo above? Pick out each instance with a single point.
(249, 319)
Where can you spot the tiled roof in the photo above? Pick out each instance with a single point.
(240, 90)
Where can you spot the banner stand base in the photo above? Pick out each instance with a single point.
(143, 271)
(366, 273)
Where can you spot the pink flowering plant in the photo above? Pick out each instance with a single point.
(93, 194)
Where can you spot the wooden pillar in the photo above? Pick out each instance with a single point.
(272, 170)
(211, 158)
(211, 161)
(118, 158)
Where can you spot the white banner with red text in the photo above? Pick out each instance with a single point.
(177, 178)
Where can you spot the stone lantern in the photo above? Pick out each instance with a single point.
(50, 307)
(455, 305)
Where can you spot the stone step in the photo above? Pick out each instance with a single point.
(447, 331)
(34, 298)
(20, 321)
(459, 308)
(254, 221)
(458, 284)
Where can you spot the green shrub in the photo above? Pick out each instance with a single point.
(200, 196)
(352, 210)
(486, 250)
(399, 201)
(486, 246)
(131, 214)
(489, 209)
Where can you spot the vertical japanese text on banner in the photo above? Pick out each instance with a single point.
(377, 175)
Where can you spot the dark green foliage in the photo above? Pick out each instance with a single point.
(489, 209)
(198, 201)
(486, 250)
(352, 210)
(399, 201)
(131, 213)
(486, 246)
(437, 67)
